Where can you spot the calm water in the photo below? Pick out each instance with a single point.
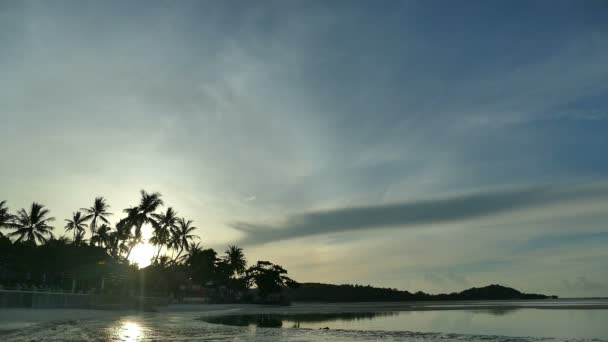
(510, 322)
(474, 321)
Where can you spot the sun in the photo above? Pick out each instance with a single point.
(142, 254)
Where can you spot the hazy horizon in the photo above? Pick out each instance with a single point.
(419, 145)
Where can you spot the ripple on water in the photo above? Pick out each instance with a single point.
(188, 327)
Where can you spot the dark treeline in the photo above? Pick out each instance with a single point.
(95, 257)
(315, 292)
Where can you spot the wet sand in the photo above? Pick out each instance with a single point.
(14, 318)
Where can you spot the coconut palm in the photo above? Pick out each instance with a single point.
(163, 261)
(193, 249)
(182, 236)
(140, 215)
(123, 240)
(115, 243)
(236, 260)
(77, 224)
(98, 212)
(5, 217)
(33, 226)
(79, 238)
(163, 224)
(102, 238)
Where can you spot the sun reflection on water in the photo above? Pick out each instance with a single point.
(130, 332)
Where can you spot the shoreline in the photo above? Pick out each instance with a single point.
(39, 315)
(21, 324)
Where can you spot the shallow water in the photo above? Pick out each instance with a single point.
(514, 322)
(508, 321)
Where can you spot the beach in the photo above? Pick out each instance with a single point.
(411, 321)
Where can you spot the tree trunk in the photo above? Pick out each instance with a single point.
(160, 248)
(178, 254)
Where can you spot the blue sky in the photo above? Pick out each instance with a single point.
(412, 144)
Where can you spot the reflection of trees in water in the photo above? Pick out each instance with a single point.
(341, 316)
(496, 311)
(276, 320)
(265, 321)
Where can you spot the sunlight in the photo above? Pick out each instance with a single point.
(142, 254)
(130, 331)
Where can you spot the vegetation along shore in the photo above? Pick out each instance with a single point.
(97, 260)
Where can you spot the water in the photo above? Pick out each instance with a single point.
(465, 321)
(516, 322)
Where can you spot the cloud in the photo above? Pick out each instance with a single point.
(424, 212)
(256, 115)
(583, 284)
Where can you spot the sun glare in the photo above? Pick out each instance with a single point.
(142, 254)
(130, 331)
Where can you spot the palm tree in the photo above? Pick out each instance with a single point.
(193, 249)
(79, 238)
(102, 238)
(33, 226)
(182, 235)
(140, 215)
(163, 225)
(97, 212)
(5, 217)
(115, 243)
(77, 224)
(122, 238)
(236, 259)
(163, 262)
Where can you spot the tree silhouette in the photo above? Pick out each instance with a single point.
(102, 238)
(163, 225)
(79, 238)
(268, 278)
(138, 216)
(77, 225)
(33, 226)
(145, 211)
(193, 248)
(115, 242)
(182, 235)
(5, 217)
(201, 264)
(163, 261)
(98, 212)
(236, 260)
(31, 255)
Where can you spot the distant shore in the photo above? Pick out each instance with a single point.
(24, 315)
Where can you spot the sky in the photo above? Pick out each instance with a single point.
(419, 145)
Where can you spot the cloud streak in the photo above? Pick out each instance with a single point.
(424, 212)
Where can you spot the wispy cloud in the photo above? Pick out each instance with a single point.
(434, 211)
(312, 119)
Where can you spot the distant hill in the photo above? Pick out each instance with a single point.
(316, 292)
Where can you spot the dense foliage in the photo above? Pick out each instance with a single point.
(31, 257)
(268, 278)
